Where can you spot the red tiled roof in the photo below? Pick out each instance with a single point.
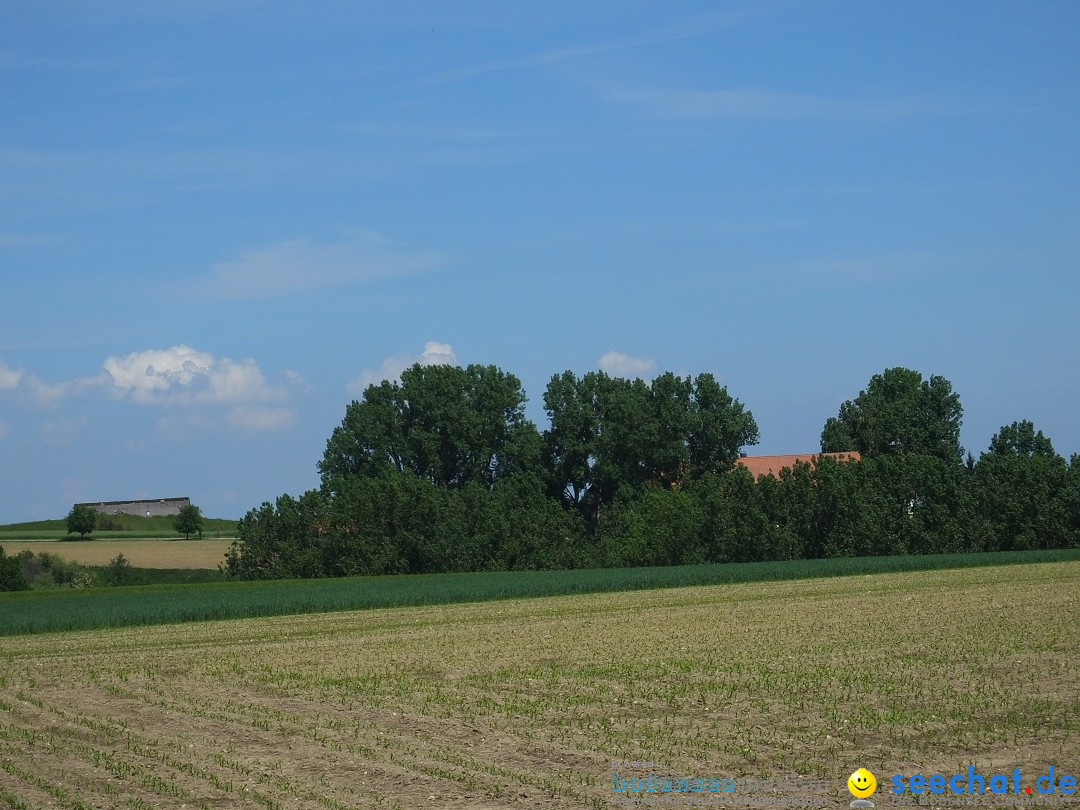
(771, 465)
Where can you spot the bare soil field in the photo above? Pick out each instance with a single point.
(140, 553)
(531, 703)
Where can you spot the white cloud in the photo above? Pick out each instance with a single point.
(9, 377)
(434, 354)
(296, 266)
(48, 395)
(438, 354)
(181, 425)
(179, 376)
(31, 388)
(261, 420)
(184, 374)
(624, 365)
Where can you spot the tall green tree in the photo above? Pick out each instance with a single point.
(912, 504)
(280, 540)
(898, 413)
(1069, 499)
(1020, 491)
(842, 522)
(661, 527)
(596, 445)
(610, 437)
(734, 519)
(81, 520)
(719, 427)
(449, 425)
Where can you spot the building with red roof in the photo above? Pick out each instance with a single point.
(772, 465)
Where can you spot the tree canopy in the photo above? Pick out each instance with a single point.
(611, 435)
(1021, 491)
(449, 425)
(898, 413)
(1021, 439)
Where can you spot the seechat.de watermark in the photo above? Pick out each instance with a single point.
(971, 789)
(972, 783)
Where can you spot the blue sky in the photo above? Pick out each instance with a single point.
(220, 219)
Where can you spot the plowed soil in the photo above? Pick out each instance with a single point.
(531, 703)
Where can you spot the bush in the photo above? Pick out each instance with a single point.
(118, 570)
(109, 523)
(44, 570)
(11, 576)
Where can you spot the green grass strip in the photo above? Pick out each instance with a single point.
(130, 526)
(50, 611)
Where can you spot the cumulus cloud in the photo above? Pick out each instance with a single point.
(434, 354)
(212, 392)
(298, 265)
(624, 365)
(184, 374)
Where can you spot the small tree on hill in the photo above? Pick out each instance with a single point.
(189, 521)
(81, 520)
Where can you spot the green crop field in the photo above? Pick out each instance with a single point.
(529, 702)
(73, 609)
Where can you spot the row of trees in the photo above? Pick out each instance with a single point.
(442, 472)
(83, 519)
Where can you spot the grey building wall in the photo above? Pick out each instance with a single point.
(149, 507)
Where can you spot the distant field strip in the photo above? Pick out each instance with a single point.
(45, 535)
(525, 703)
(139, 553)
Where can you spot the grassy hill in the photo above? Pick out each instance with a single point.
(117, 527)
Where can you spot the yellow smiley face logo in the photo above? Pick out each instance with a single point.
(861, 783)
